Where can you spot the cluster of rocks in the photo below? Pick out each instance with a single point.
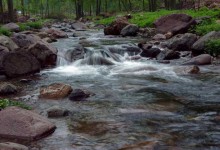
(170, 40)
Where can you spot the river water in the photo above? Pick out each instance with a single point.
(136, 102)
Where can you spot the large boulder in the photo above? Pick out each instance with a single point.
(44, 52)
(19, 63)
(55, 91)
(79, 26)
(204, 59)
(182, 42)
(7, 42)
(25, 40)
(54, 33)
(130, 30)
(116, 26)
(199, 46)
(75, 54)
(12, 146)
(20, 124)
(174, 23)
(12, 27)
(56, 111)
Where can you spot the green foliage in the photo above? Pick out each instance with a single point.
(213, 47)
(206, 28)
(6, 103)
(146, 19)
(35, 25)
(5, 32)
(32, 25)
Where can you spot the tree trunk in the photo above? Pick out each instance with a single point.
(11, 10)
(22, 7)
(1, 7)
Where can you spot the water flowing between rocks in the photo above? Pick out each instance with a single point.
(136, 101)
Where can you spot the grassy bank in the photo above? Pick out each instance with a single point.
(146, 19)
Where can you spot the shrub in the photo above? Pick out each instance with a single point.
(5, 32)
(35, 25)
(213, 47)
(6, 103)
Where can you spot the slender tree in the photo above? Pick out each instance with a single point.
(11, 10)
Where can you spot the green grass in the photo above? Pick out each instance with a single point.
(212, 47)
(5, 32)
(6, 103)
(146, 19)
(32, 25)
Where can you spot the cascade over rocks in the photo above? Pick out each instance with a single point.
(7, 42)
(44, 52)
(19, 63)
(204, 59)
(75, 54)
(12, 27)
(116, 27)
(199, 46)
(21, 124)
(174, 23)
(55, 91)
(181, 42)
(130, 30)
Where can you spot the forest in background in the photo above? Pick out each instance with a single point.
(58, 9)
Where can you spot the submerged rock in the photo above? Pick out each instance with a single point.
(174, 23)
(96, 60)
(150, 52)
(187, 70)
(57, 111)
(204, 59)
(12, 146)
(80, 95)
(20, 124)
(55, 91)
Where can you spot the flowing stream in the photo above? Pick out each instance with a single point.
(136, 101)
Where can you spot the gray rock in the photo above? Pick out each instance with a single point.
(151, 52)
(7, 42)
(199, 46)
(20, 124)
(17, 64)
(204, 59)
(7, 88)
(12, 27)
(79, 26)
(168, 55)
(130, 30)
(159, 37)
(25, 40)
(12, 146)
(75, 54)
(57, 111)
(174, 23)
(182, 42)
(80, 95)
